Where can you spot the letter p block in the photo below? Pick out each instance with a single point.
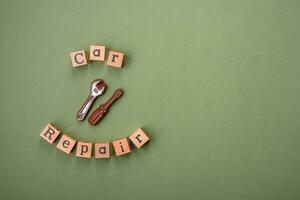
(84, 150)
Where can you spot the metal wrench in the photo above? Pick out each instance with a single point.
(98, 87)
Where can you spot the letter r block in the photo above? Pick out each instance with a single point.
(50, 133)
(115, 59)
(78, 58)
(139, 138)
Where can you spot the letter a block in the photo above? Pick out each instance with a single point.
(102, 150)
(78, 58)
(66, 144)
(97, 53)
(84, 150)
(115, 59)
(121, 146)
(139, 138)
(50, 133)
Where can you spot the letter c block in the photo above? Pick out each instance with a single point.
(78, 58)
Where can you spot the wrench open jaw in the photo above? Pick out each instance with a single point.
(98, 87)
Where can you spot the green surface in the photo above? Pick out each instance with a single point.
(215, 84)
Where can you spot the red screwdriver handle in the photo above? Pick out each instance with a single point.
(103, 109)
(117, 94)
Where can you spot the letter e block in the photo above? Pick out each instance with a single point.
(139, 138)
(115, 59)
(50, 133)
(84, 150)
(121, 146)
(78, 58)
(66, 144)
(97, 53)
(102, 150)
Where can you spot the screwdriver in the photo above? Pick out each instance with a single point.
(103, 109)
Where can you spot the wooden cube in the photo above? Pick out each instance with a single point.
(139, 138)
(78, 58)
(84, 149)
(97, 53)
(115, 59)
(66, 144)
(121, 146)
(102, 150)
(50, 133)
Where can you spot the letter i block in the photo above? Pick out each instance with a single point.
(66, 144)
(97, 53)
(78, 58)
(84, 150)
(139, 138)
(115, 59)
(102, 150)
(50, 133)
(121, 146)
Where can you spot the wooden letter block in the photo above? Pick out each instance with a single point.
(139, 138)
(121, 146)
(115, 59)
(84, 150)
(66, 144)
(78, 58)
(50, 133)
(97, 53)
(102, 150)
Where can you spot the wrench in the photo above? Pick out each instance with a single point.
(98, 87)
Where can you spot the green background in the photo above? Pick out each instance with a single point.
(214, 83)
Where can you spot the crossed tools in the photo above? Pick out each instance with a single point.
(98, 87)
